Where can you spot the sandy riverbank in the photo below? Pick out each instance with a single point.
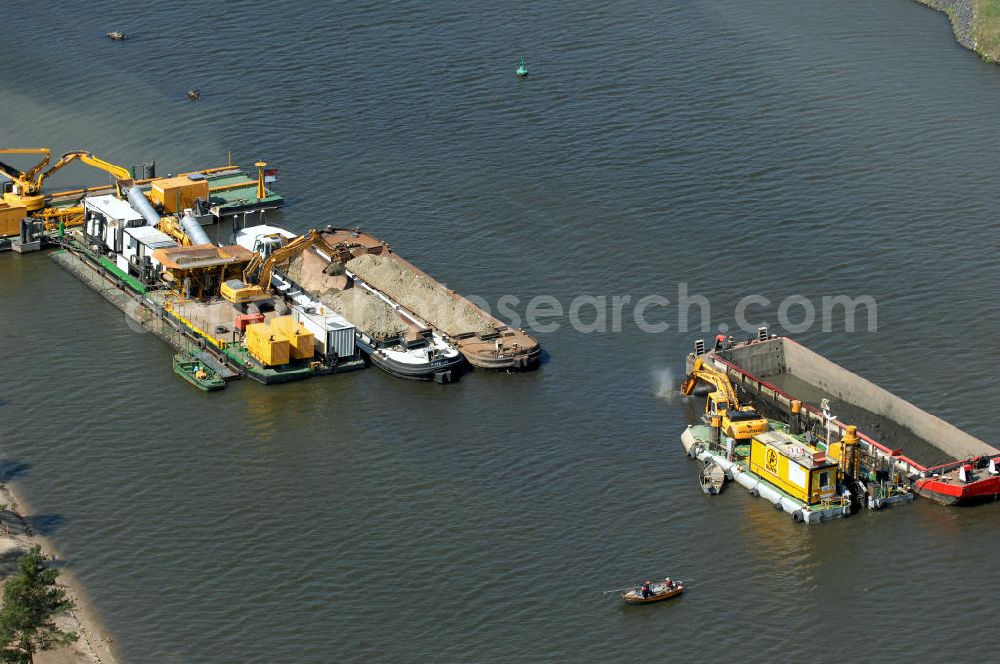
(94, 646)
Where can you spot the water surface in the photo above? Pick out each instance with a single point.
(769, 147)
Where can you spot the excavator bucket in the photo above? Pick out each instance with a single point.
(687, 387)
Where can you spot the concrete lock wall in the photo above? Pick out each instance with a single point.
(763, 359)
(839, 383)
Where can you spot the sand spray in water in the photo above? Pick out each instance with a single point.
(665, 386)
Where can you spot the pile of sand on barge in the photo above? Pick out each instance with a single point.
(365, 311)
(421, 295)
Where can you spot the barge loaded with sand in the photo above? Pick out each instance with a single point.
(424, 303)
(814, 464)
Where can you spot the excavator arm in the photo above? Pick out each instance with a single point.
(740, 422)
(28, 184)
(713, 377)
(259, 270)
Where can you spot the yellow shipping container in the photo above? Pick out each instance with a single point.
(799, 470)
(175, 194)
(301, 342)
(266, 345)
(10, 219)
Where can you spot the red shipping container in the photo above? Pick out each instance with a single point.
(242, 320)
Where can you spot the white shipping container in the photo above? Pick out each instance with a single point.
(334, 334)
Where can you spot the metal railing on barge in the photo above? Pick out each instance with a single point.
(762, 388)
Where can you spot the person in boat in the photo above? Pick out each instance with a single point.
(646, 592)
(668, 584)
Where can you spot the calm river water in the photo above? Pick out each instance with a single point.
(771, 147)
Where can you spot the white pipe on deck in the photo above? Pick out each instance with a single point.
(194, 229)
(143, 206)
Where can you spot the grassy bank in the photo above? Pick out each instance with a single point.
(986, 29)
(976, 24)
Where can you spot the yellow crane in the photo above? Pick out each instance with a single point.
(27, 190)
(738, 421)
(258, 272)
(22, 195)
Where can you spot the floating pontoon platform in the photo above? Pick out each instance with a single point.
(757, 365)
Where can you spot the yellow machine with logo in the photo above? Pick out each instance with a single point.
(279, 341)
(738, 421)
(800, 470)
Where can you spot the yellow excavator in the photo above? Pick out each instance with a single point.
(27, 190)
(258, 272)
(738, 421)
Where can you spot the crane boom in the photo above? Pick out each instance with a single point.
(120, 174)
(16, 175)
(28, 184)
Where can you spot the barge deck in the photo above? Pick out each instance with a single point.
(188, 326)
(230, 191)
(697, 443)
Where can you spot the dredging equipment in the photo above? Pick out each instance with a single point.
(813, 473)
(870, 472)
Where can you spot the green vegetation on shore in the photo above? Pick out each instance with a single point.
(986, 29)
(31, 603)
(976, 24)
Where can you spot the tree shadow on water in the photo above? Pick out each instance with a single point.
(12, 523)
(8, 561)
(10, 470)
(45, 524)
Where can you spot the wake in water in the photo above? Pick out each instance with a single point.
(665, 385)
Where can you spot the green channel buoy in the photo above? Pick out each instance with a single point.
(522, 70)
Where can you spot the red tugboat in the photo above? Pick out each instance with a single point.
(968, 482)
